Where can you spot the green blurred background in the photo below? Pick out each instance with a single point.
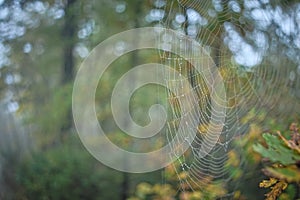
(255, 45)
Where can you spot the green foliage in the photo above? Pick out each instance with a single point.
(190, 189)
(277, 151)
(243, 165)
(145, 191)
(284, 155)
(289, 173)
(65, 173)
(290, 193)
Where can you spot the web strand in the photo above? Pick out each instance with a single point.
(250, 93)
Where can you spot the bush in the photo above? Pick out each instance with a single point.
(65, 173)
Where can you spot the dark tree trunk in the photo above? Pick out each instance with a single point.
(125, 186)
(134, 61)
(68, 35)
(68, 68)
(69, 40)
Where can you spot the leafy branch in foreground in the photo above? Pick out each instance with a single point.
(282, 153)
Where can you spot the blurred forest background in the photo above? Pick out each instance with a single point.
(255, 45)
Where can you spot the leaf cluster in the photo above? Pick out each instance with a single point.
(282, 155)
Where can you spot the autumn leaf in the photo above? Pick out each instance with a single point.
(276, 190)
(268, 183)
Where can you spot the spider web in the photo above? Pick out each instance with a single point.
(229, 31)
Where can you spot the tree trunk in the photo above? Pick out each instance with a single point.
(134, 61)
(68, 35)
(69, 40)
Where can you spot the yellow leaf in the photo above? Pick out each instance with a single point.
(276, 190)
(233, 159)
(268, 183)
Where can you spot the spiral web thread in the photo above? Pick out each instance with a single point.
(262, 88)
